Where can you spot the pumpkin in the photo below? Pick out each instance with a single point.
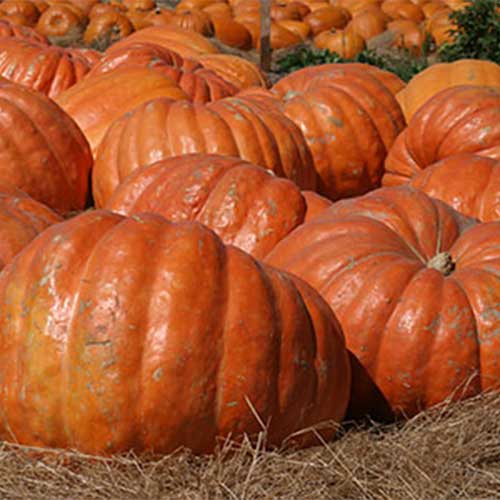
(301, 79)
(83, 6)
(403, 9)
(415, 287)
(367, 24)
(315, 204)
(139, 5)
(158, 17)
(234, 126)
(199, 84)
(59, 20)
(186, 43)
(9, 29)
(300, 28)
(346, 44)
(101, 9)
(21, 219)
(48, 69)
(461, 119)
(24, 8)
(350, 120)
(193, 20)
(123, 347)
(407, 35)
(331, 17)
(89, 103)
(236, 70)
(469, 183)
(244, 204)
(104, 30)
(231, 32)
(440, 76)
(90, 55)
(42, 151)
(218, 9)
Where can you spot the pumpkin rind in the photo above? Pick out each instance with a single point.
(150, 358)
(233, 126)
(415, 286)
(42, 150)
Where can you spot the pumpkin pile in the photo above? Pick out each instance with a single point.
(189, 254)
(343, 26)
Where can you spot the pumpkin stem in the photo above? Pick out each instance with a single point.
(442, 262)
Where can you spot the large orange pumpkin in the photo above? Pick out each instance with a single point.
(180, 352)
(42, 150)
(469, 183)
(21, 219)
(199, 84)
(90, 103)
(350, 120)
(244, 204)
(461, 119)
(441, 76)
(416, 288)
(46, 68)
(234, 126)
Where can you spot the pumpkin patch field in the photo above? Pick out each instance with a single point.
(219, 279)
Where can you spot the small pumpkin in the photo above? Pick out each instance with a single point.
(327, 18)
(345, 43)
(104, 30)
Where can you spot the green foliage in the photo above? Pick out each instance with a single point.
(477, 35)
(403, 63)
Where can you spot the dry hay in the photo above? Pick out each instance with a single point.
(452, 452)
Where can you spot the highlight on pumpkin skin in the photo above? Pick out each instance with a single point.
(123, 346)
(417, 296)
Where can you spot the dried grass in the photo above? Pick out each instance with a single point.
(452, 452)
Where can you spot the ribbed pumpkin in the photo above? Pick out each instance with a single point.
(416, 288)
(199, 84)
(461, 119)
(302, 79)
(186, 43)
(235, 126)
(9, 29)
(90, 104)
(236, 70)
(42, 151)
(350, 120)
(468, 183)
(179, 352)
(21, 219)
(441, 76)
(61, 20)
(48, 69)
(107, 29)
(24, 8)
(345, 43)
(244, 204)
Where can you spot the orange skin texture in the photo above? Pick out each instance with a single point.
(9, 29)
(315, 204)
(89, 103)
(403, 9)
(193, 20)
(90, 55)
(236, 70)
(199, 84)
(368, 24)
(302, 79)
(21, 219)
(468, 183)
(59, 20)
(24, 8)
(42, 150)
(300, 28)
(407, 34)
(112, 26)
(186, 43)
(231, 32)
(346, 44)
(48, 69)
(327, 18)
(350, 120)
(441, 76)
(461, 119)
(118, 358)
(244, 204)
(419, 334)
(233, 126)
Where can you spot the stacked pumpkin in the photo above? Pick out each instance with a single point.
(286, 255)
(343, 27)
